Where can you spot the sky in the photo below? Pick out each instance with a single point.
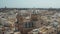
(30, 3)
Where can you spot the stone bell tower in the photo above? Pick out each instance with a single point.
(34, 15)
(20, 20)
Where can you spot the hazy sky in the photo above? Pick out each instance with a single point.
(30, 3)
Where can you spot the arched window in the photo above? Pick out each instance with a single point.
(29, 25)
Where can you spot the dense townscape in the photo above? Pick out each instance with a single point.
(29, 21)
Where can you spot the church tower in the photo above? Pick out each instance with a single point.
(34, 15)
